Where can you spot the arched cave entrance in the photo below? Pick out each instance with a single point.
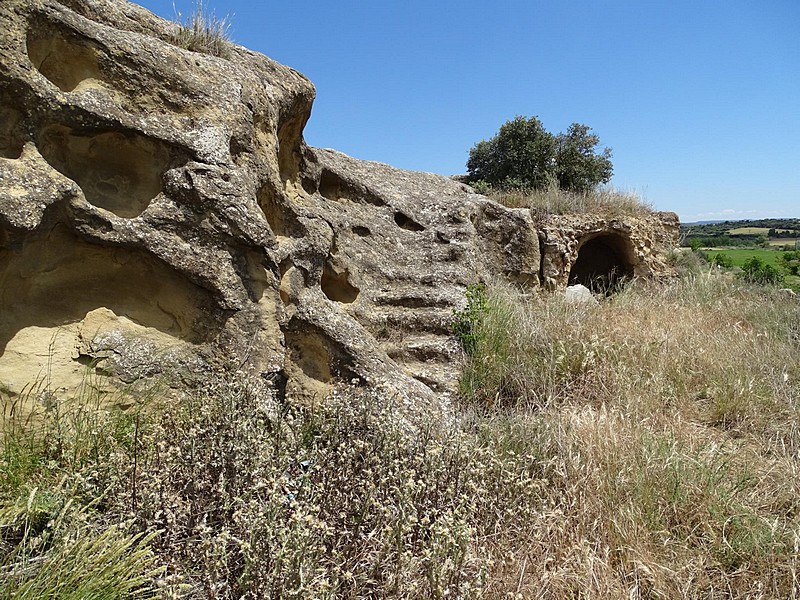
(604, 261)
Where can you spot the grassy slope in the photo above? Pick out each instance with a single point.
(644, 448)
(607, 202)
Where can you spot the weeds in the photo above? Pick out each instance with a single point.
(466, 320)
(606, 202)
(203, 32)
(665, 423)
(57, 469)
(642, 448)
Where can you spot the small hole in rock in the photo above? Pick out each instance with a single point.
(66, 63)
(407, 222)
(279, 217)
(119, 172)
(330, 185)
(336, 285)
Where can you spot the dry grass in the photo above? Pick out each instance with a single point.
(554, 201)
(666, 425)
(643, 448)
(203, 32)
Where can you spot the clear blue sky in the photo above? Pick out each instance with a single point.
(699, 99)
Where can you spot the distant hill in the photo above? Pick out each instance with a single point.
(740, 233)
(703, 222)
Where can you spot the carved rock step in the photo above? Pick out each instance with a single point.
(442, 378)
(422, 348)
(396, 321)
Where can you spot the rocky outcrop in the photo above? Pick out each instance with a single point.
(595, 251)
(160, 217)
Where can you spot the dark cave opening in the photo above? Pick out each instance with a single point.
(604, 262)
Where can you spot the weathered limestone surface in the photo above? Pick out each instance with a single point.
(160, 217)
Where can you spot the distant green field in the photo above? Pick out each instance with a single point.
(741, 255)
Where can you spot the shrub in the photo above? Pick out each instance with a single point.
(723, 260)
(791, 262)
(465, 321)
(203, 32)
(755, 270)
(644, 447)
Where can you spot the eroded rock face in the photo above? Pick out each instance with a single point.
(160, 215)
(132, 243)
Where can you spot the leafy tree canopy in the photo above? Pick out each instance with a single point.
(524, 154)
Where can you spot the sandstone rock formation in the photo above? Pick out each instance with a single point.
(160, 216)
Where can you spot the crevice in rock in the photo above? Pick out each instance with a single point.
(119, 172)
(336, 284)
(424, 380)
(289, 138)
(309, 184)
(413, 301)
(604, 260)
(318, 358)
(282, 222)
(406, 222)
(309, 351)
(255, 281)
(330, 185)
(361, 231)
(65, 62)
(333, 187)
(11, 140)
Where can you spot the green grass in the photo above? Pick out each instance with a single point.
(203, 32)
(740, 255)
(57, 470)
(769, 256)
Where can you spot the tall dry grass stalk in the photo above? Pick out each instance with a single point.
(202, 31)
(606, 202)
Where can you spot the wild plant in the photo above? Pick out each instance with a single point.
(203, 32)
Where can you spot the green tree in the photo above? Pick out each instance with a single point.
(578, 167)
(723, 260)
(523, 154)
